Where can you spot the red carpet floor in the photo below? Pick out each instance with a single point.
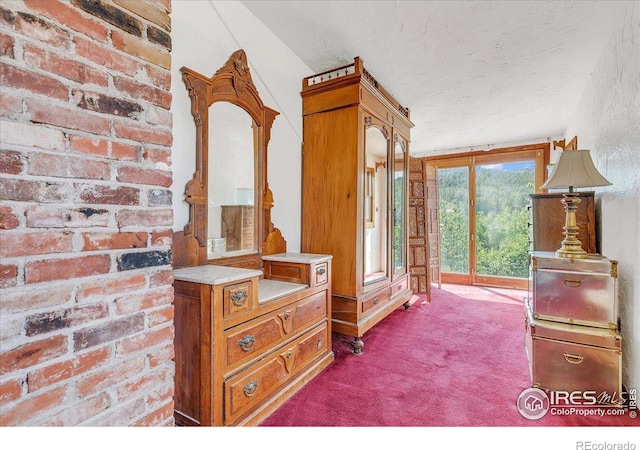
(457, 361)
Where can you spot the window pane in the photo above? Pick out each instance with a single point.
(502, 234)
(453, 187)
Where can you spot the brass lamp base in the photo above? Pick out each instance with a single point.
(564, 252)
(571, 246)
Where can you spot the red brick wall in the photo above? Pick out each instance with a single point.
(86, 314)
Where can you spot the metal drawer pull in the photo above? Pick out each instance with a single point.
(573, 359)
(321, 270)
(572, 283)
(319, 346)
(376, 301)
(247, 342)
(250, 389)
(239, 297)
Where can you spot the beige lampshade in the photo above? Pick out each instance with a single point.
(575, 169)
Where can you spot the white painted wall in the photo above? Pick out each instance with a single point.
(204, 35)
(607, 121)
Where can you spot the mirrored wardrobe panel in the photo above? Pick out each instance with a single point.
(376, 203)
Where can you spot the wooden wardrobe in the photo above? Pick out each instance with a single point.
(354, 194)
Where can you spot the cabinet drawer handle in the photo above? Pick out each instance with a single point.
(247, 342)
(251, 388)
(568, 282)
(573, 359)
(376, 301)
(239, 297)
(321, 270)
(319, 346)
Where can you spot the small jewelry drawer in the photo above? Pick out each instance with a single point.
(237, 298)
(321, 273)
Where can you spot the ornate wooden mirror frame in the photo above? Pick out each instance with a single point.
(231, 83)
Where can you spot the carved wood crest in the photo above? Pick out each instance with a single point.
(238, 67)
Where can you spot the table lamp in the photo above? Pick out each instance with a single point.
(574, 169)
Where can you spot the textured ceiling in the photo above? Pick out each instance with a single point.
(473, 73)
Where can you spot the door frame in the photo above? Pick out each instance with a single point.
(539, 153)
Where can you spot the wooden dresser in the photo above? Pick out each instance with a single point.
(247, 340)
(237, 226)
(548, 217)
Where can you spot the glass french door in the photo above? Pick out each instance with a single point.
(484, 216)
(453, 191)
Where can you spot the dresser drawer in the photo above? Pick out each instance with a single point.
(247, 213)
(398, 287)
(251, 386)
(237, 298)
(321, 273)
(245, 341)
(375, 301)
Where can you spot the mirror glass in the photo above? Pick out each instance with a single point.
(375, 210)
(231, 182)
(399, 186)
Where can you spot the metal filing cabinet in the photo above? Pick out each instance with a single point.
(573, 341)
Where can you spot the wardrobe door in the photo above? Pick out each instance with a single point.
(376, 202)
(399, 207)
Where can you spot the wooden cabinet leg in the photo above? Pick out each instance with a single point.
(357, 345)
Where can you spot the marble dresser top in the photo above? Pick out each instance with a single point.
(213, 275)
(272, 289)
(304, 258)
